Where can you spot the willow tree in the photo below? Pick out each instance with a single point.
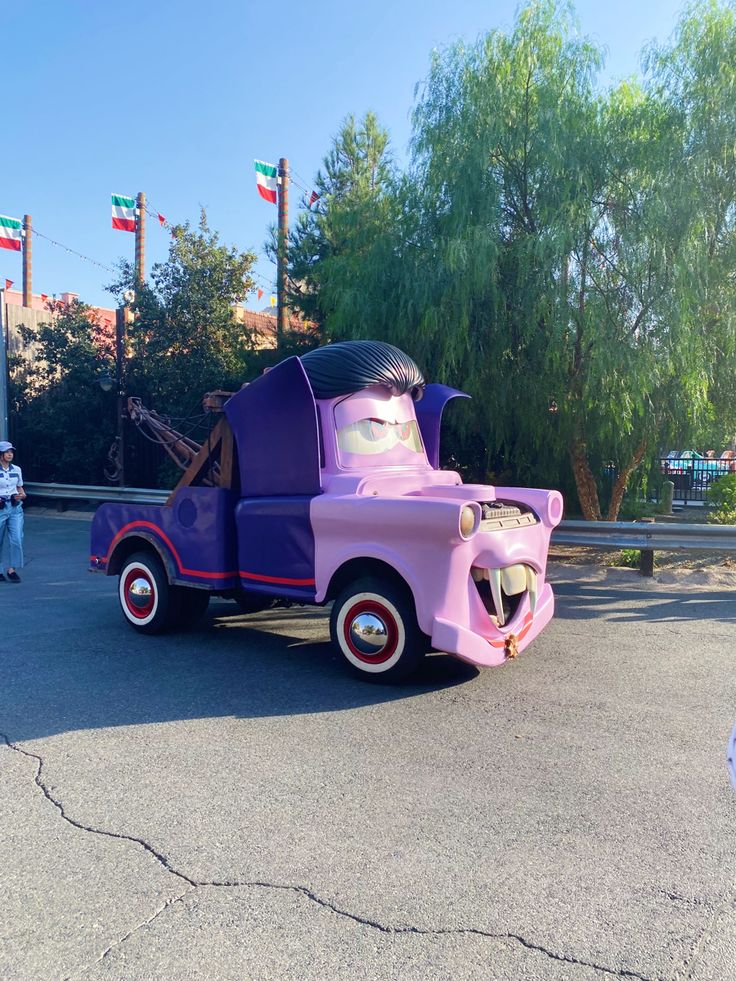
(694, 81)
(555, 247)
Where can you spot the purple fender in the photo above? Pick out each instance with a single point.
(194, 537)
(429, 416)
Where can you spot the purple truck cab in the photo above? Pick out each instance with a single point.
(337, 496)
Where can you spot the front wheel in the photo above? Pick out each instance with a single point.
(144, 593)
(374, 626)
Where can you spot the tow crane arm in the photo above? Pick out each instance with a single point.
(209, 463)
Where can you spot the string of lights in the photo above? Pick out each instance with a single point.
(301, 186)
(263, 283)
(79, 255)
(158, 216)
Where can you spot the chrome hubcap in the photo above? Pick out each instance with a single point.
(140, 593)
(368, 633)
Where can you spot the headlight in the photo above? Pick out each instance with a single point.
(469, 521)
(554, 508)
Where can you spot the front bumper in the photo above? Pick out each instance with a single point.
(501, 645)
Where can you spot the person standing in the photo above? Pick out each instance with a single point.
(12, 496)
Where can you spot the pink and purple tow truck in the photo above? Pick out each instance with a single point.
(336, 496)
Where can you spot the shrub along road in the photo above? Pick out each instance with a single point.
(229, 804)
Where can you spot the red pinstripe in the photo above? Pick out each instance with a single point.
(200, 572)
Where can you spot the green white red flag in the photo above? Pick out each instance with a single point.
(10, 233)
(266, 182)
(123, 213)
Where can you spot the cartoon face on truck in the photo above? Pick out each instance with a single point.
(337, 496)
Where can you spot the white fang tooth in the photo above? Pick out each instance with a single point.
(494, 578)
(477, 574)
(513, 579)
(531, 585)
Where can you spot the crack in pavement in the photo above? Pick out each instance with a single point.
(80, 971)
(425, 932)
(302, 890)
(686, 971)
(161, 859)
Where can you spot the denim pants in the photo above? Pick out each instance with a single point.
(11, 521)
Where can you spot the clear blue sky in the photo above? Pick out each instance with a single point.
(176, 98)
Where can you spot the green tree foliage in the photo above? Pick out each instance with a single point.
(722, 495)
(555, 247)
(694, 81)
(333, 238)
(64, 422)
(182, 342)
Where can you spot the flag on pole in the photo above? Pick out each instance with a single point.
(8, 283)
(266, 175)
(123, 213)
(10, 233)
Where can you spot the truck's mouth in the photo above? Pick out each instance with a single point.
(502, 590)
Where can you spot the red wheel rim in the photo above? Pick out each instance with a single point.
(392, 631)
(139, 611)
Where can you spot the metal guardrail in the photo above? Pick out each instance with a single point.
(78, 492)
(667, 537)
(645, 536)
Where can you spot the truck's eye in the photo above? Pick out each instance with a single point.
(373, 429)
(378, 428)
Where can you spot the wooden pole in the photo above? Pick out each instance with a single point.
(120, 395)
(281, 256)
(27, 261)
(140, 237)
(4, 429)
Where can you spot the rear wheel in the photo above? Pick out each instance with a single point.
(144, 593)
(374, 626)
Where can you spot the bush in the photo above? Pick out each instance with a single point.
(633, 510)
(627, 558)
(722, 495)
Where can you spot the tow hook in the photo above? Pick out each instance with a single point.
(510, 647)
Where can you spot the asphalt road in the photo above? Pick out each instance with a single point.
(229, 804)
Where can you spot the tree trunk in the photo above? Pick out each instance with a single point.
(585, 481)
(619, 487)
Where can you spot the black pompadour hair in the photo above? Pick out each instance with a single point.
(351, 366)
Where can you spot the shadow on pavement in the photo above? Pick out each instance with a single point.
(585, 600)
(102, 674)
